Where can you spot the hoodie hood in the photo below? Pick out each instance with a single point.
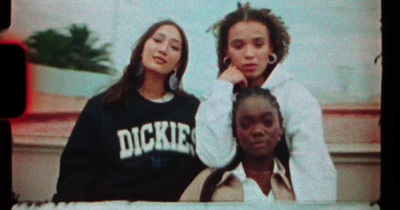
(277, 77)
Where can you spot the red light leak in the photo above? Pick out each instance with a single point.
(28, 76)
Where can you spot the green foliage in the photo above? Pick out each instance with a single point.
(76, 50)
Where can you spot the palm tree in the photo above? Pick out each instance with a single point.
(73, 51)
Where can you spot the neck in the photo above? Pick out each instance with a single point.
(152, 87)
(265, 164)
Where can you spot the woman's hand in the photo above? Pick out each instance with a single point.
(233, 75)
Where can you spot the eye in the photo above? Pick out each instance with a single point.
(245, 124)
(176, 47)
(237, 45)
(259, 43)
(268, 123)
(157, 38)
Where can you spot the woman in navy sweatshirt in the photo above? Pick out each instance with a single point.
(135, 141)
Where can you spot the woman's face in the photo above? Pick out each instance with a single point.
(249, 47)
(162, 51)
(258, 127)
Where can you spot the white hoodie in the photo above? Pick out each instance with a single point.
(312, 172)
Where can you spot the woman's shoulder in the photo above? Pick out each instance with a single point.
(290, 89)
(96, 102)
(188, 97)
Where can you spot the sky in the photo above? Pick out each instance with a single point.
(334, 43)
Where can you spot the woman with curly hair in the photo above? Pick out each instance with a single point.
(250, 45)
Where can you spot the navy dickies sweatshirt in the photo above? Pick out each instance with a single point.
(139, 150)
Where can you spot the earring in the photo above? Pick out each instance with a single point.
(272, 58)
(236, 141)
(226, 61)
(281, 133)
(139, 70)
(173, 81)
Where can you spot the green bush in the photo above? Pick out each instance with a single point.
(75, 50)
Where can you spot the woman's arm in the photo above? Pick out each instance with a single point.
(80, 161)
(215, 145)
(312, 171)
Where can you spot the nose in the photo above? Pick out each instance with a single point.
(249, 52)
(258, 131)
(163, 47)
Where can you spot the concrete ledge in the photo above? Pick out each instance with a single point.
(340, 153)
(355, 153)
(357, 166)
(45, 144)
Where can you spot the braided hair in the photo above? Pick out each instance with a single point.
(281, 150)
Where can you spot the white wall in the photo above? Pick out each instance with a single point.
(333, 43)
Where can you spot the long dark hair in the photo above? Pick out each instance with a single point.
(130, 79)
(281, 150)
(277, 31)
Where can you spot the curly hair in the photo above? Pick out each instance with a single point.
(279, 36)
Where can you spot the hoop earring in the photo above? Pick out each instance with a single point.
(272, 58)
(226, 61)
(236, 141)
(173, 81)
(139, 70)
(281, 133)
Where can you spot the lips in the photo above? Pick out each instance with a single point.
(159, 60)
(259, 143)
(250, 66)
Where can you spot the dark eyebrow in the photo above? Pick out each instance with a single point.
(159, 33)
(259, 39)
(163, 35)
(235, 40)
(267, 114)
(249, 117)
(256, 39)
